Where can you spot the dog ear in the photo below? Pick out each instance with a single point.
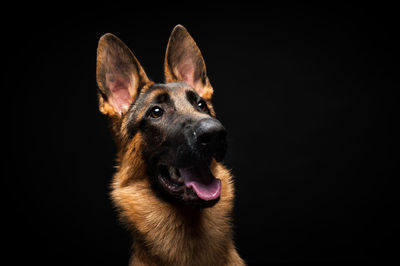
(184, 62)
(119, 75)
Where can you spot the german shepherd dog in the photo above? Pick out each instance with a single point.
(169, 187)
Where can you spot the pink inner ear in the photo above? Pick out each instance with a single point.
(187, 71)
(119, 88)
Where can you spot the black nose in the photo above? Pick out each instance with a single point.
(210, 136)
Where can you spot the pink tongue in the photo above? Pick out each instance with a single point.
(200, 178)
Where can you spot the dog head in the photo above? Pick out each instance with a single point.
(166, 133)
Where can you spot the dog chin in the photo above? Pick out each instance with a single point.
(194, 185)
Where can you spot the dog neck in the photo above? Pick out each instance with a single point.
(184, 239)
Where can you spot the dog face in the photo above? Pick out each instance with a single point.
(172, 127)
(180, 138)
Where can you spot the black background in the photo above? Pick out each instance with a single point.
(307, 96)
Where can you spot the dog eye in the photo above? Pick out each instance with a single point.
(202, 106)
(156, 112)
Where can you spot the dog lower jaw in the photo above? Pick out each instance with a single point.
(201, 235)
(172, 182)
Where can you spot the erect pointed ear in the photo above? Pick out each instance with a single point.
(119, 75)
(184, 62)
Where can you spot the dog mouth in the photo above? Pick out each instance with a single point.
(195, 185)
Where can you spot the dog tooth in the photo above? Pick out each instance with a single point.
(172, 173)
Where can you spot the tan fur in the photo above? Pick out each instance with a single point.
(166, 234)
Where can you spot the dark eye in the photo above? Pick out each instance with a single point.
(202, 106)
(156, 112)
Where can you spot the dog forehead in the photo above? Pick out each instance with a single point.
(179, 91)
(176, 91)
(173, 88)
(177, 85)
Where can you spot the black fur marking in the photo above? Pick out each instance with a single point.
(191, 97)
(162, 98)
(134, 122)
